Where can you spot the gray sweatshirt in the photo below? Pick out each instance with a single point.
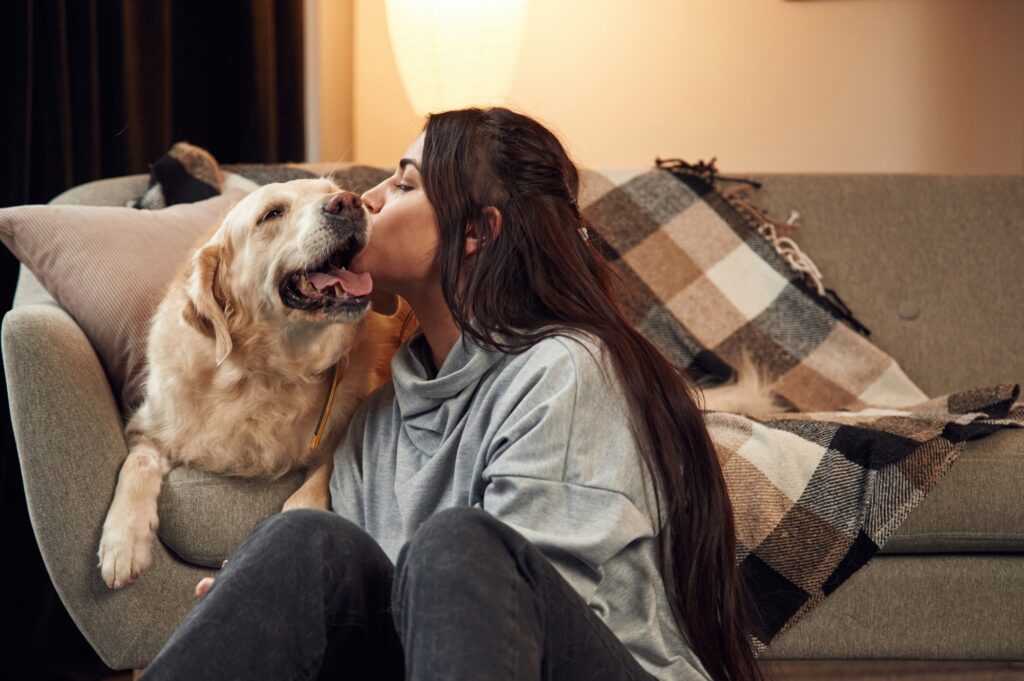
(541, 441)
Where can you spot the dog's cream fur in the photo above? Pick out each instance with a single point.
(237, 379)
(749, 394)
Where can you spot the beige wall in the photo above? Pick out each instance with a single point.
(328, 79)
(932, 86)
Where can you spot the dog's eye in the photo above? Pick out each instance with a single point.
(271, 214)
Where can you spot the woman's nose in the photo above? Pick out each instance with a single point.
(370, 201)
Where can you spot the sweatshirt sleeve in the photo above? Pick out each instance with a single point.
(346, 485)
(563, 468)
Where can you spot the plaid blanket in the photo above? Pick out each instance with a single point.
(713, 284)
(816, 493)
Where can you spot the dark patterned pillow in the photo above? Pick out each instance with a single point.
(189, 173)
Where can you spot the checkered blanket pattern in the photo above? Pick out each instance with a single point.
(709, 282)
(815, 494)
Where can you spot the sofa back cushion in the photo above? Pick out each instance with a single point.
(930, 263)
(714, 286)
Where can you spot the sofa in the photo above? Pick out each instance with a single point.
(929, 263)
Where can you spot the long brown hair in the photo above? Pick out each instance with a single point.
(536, 276)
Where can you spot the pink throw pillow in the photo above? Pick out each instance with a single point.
(109, 268)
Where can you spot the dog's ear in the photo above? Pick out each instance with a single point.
(205, 307)
(383, 302)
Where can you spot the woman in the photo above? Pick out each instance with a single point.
(535, 495)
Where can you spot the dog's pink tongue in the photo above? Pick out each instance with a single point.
(354, 284)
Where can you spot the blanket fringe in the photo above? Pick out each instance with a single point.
(776, 232)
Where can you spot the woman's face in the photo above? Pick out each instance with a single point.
(401, 255)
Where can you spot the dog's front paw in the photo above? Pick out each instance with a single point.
(125, 551)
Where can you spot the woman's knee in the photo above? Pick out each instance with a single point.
(300, 525)
(457, 556)
(454, 539)
(302, 537)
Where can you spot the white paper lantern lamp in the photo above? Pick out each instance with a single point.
(456, 53)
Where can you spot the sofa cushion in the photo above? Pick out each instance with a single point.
(917, 607)
(972, 509)
(930, 263)
(716, 277)
(204, 517)
(976, 506)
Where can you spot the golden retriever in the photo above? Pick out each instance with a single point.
(750, 392)
(241, 356)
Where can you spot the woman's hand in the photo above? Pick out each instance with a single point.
(206, 582)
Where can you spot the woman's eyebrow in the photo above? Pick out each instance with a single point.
(408, 161)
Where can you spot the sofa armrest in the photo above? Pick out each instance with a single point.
(29, 291)
(71, 445)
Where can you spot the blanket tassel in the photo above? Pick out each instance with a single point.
(775, 231)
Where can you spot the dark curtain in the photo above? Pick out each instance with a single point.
(101, 88)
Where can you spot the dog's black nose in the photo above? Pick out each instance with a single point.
(343, 202)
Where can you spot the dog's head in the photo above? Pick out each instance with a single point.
(280, 255)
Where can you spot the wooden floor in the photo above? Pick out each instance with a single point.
(894, 670)
(865, 670)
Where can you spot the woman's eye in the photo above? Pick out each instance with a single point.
(403, 187)
(271, 214)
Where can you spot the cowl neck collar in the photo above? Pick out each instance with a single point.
(432, 406)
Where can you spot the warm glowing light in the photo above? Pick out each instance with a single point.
(456, 53)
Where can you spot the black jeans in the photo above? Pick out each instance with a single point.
(310, 595)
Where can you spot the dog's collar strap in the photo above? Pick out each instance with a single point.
(326, 410)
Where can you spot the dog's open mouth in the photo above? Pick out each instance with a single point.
(328, 285)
